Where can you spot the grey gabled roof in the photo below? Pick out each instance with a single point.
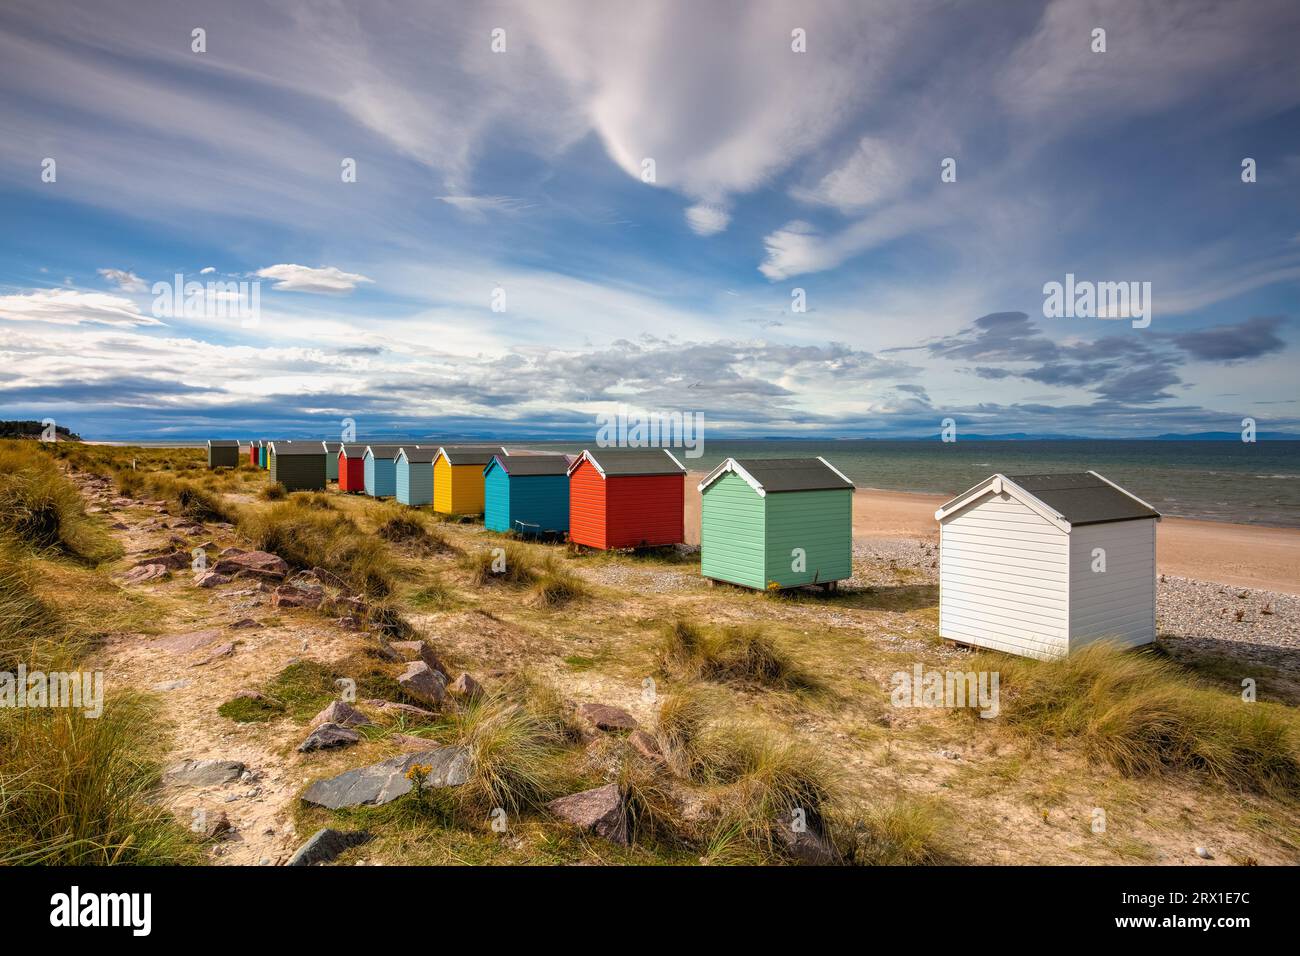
(285, 448)
(794, 474)
(332, 447)
(471, 454)
(623, 462)
(517, 466)
(1084, 497)
(418, 454)
(383, 451)
(223, 443)
(354, 451)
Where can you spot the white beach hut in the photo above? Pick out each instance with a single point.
(1040, 565)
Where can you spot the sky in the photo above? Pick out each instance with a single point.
(798, 219)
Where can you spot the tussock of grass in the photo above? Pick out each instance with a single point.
(26, 621)
(514, 749)
(306, 537)
(1143, 715)
(518, 565)
(251, 710)
(184, 497)
(742, 654)
(434, 595)
(275, 491)
(41, 511)
(899, 833)
(554, 585)
(304, 688)
(75, 791)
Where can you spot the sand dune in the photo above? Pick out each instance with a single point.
(1236, 554)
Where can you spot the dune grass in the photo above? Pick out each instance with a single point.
(1142, 715)
(740, 654)
(308, 537)
(41, 511)
(514, 564)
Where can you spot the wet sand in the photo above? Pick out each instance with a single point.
(1236, 554)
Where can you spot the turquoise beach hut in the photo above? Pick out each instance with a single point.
(262, 447)
(414, 475)
(526, 493)
(381, 470)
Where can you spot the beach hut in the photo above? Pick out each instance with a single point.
(299, 466)
(776, 523)
(413, 468)
(458, 477)
(332, 459)
(252, 452)
(352, 468)
(1040, 565)
(380, 472)
(526, 493)
(223, 453)
(263, 448)
(626, 499)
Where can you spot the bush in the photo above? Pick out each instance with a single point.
(275, 491)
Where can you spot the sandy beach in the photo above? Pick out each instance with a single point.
(1237, 554)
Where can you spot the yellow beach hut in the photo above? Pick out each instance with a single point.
(458, 477)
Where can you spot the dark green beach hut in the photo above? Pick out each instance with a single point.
(299, 466)
(223, 453)
(776, 523)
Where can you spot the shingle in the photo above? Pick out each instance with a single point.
(1081, 498)
(793, 474)
(623, 462)
(522, 465)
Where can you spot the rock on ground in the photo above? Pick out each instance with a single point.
(341, 713)
(325, 845)
(425, 684)
(327, 737)
(385, 781)
(203, 773)
(605, 717)
(599, 811)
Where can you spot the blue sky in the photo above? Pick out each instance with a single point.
(774, 171)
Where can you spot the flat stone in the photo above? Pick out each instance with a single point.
(211, 579)
(425, 684)
(175, 560)
(186, 643)
(327, 737)
(605, 717)
(146, 572)
(293, 595)
(218, 826)
(385, 781)
(599, 811)
(325, 845)
(245, 622)
(203, 773)
(216, 654)
(256, 563)
(410, 710)
(341, 713)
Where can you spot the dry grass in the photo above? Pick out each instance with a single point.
(308, 537)
(744, 654)
(1143, 715)
(41, 511)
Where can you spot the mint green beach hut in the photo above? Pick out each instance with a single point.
(776, 523)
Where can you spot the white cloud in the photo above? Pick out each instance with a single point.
(706, 219)
(126, 281)
(207, 270)
(72, 307)
(873, 172)
(329, 279)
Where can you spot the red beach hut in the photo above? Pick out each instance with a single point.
(627, 499)
(352, 468)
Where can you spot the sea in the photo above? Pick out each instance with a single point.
(1248, 483)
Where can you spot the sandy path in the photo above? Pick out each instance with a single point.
(1236, 554)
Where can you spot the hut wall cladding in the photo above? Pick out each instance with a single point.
(733, 532)
(1120, 604)
(414, 481)
(380, 477)
(457, 489)
(536, 501)
(352, 473)
(252, 454)
(819, 522)
(299, 472)
(625, 511)
(223, 456)
(331, 460)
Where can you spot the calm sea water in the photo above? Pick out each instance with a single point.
(1256, 483)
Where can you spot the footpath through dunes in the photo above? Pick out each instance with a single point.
(638, 631)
